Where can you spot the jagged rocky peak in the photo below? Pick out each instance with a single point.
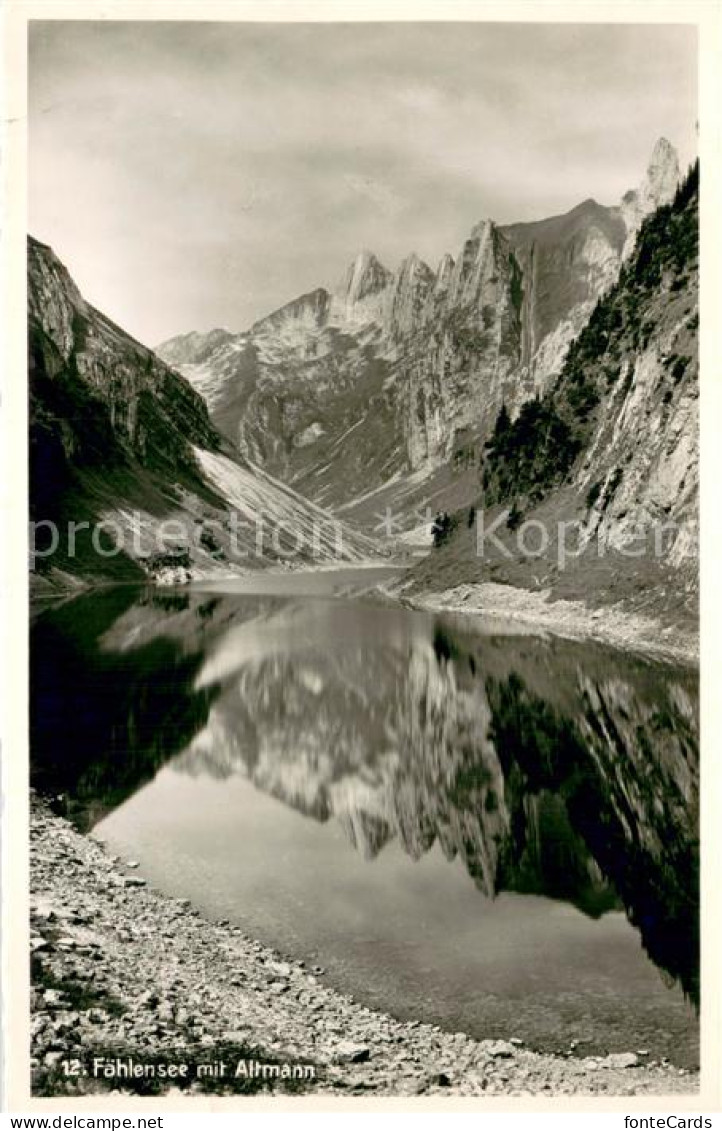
(365, 276)
(362, 295)
(482, 230)
(587, 207)
(662, 178)
(411, 287)
(414, 268)
(444, 273)
(477, 264)
(413, 277)
(658, 187)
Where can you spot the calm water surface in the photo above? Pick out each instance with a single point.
(489, 831)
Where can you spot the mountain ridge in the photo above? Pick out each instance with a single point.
(656, 187)
(443, 350)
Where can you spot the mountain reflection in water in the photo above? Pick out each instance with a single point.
(546, 767)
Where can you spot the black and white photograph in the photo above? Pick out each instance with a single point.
(363, 456)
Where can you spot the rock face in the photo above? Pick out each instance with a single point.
(610, 451)
(633, 370)
(408, 301)
(639, 485)
(119, 437)
(398, 374)
(464, 361)
(150, 412)
(564, 264)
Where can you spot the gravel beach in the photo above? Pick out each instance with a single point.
(136, 993)
(616, 627)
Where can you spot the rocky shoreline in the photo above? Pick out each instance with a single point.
(135, 993)
(574, 620)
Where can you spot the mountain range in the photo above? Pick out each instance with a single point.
(516, 378)
(383, 388)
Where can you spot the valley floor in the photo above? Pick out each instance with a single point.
(121, 971)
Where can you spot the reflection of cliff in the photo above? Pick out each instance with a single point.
(627, 770)
(543, 766)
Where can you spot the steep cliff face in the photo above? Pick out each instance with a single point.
(407, 305)
(117, 436)
(399, 374)
(455, 370)
(563, 265)
(152, 413)
(634, 367)
(611, 449)
(632, 486)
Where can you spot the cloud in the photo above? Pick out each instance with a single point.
(377, 192)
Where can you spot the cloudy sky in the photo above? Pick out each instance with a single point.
(200, 175)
